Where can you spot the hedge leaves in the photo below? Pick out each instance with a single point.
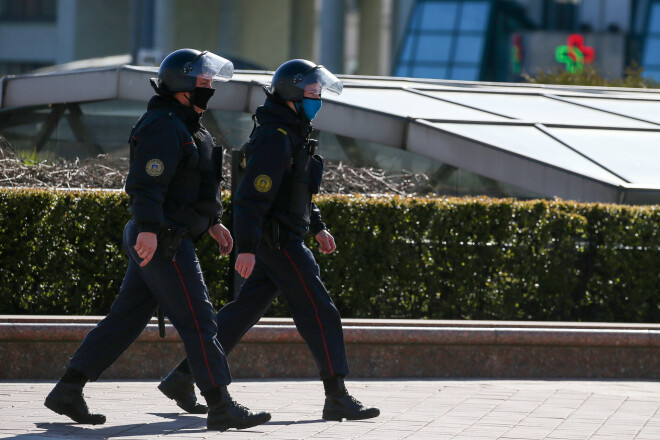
(397, 257)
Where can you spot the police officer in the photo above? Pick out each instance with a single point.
(173, 188)
(273, 212)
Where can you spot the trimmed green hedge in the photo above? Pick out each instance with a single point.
(397, 257)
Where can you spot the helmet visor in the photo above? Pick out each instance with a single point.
(209, 65)
(319, 80)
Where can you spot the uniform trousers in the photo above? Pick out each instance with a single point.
(178, 287)
(292, 272)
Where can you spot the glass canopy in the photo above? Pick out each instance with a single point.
(471, 138)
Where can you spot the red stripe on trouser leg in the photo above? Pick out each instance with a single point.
(315, 310)
(198, 331)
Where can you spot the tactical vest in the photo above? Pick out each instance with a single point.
(306, 177)
(183, 204)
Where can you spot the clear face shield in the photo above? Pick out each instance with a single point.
(209, 66)
(318, 80)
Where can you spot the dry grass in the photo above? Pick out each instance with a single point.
(110, 173)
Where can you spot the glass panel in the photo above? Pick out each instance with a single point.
(395, 82)
(606, 15)
(438, 15)
(617, 14)
(465, 73)
(469, 49)
(107, 124)
(533, 143)
(540, 109)
(654, 19)
(517, 90)
(474, 16)
(402, 103)
(406, 53)
(232, 129)
(28, 11)
(649, 110)
(416, 19)
(434, 72)
(651, 73)
(633, 155)
(433, 48)
(591, 12)
(401, 70)
(651, 51)
(444, 179)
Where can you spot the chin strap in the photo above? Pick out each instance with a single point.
(161, 90)
(191, 106)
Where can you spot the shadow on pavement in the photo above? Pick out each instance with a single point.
(295, 422)
(177, 422)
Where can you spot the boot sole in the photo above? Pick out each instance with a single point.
(334, 416)
(199, 409)
(65, 411)
(261, 421)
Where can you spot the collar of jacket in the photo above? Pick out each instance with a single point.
(275, 111)
(186, 114)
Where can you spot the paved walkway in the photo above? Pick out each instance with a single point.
(415, 409)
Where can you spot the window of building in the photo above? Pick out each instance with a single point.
(445, 40)
(19, 67)
(651, 54)
(561, 15)
(28, 10)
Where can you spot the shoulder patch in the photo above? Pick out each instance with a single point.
(282, 131)
(263, 183)
(155, 167)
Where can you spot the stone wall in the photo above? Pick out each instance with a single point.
(38, 347)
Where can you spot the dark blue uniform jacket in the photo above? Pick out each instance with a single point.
(175, 170)
(266, 186)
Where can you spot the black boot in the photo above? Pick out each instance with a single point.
(67, 399)
(179, 386)
(341, 405)
(225, 413)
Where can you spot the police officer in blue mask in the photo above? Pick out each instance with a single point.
(273, 212)
(173, 187)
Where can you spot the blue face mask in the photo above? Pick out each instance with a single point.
(310, 106)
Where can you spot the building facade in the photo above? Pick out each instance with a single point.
(487, 40)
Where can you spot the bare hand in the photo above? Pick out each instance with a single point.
(244, 264)
(326, 242)
(145, 246)
(223, 237)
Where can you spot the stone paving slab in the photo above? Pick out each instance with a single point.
(414, 409)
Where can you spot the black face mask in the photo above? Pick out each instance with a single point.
(200, 97)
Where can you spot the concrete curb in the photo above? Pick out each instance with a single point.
(37, 347)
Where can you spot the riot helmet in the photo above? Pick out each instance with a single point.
(291, 78)
(179, 70)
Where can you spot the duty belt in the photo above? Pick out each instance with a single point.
(169, 240)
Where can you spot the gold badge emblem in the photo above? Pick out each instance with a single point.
(263, 183)
(155, 167)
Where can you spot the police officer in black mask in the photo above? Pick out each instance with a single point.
(173, 187)
(273, 212)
